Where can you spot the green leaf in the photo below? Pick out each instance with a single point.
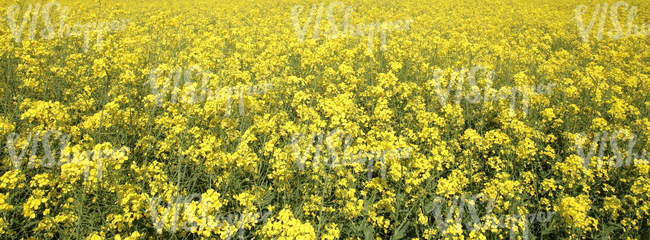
(402, 230)
(610, 228)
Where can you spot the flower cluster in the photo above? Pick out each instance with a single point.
(205, 223)
(490, 94)
(348, 29)
(48, 31)
(206, 94)
(348, 156)
(632, 139)
(98, 154)
(617, 32)
(490, 221)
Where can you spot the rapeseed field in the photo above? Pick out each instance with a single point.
(285, 119)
